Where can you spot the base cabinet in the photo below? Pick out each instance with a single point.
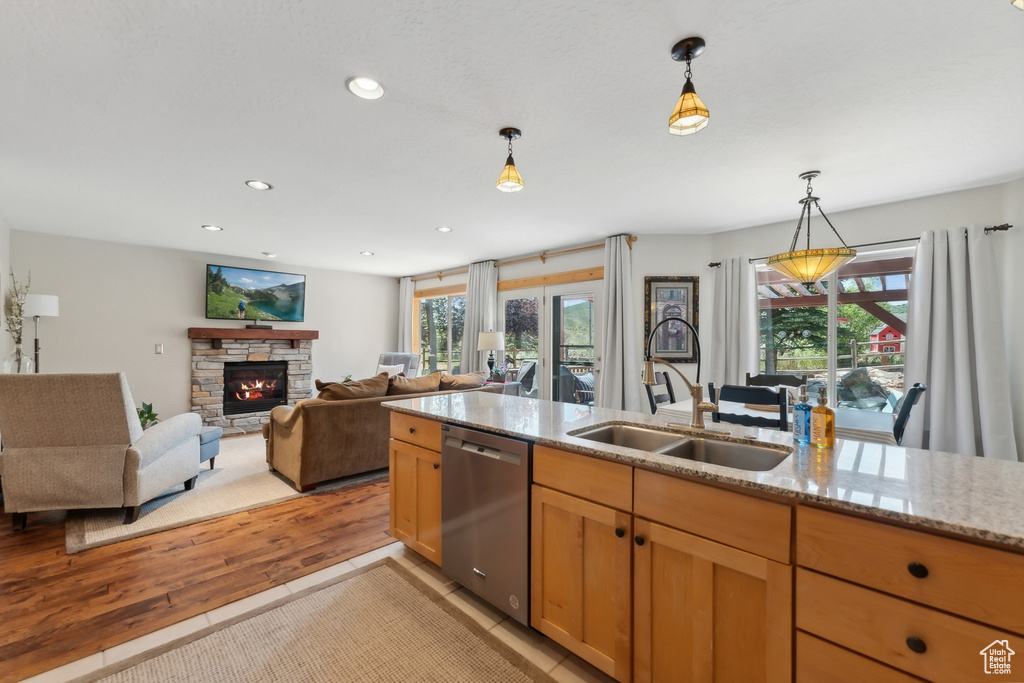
(704, 611)
(580, 578)
(416, 489)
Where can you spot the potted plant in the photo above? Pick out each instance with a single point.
(146, 415)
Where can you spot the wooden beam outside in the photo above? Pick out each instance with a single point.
(822, 299)
(885, 316)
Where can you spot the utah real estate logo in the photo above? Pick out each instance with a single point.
(997, 657)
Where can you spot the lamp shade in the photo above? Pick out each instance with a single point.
(510, 180)
(807, 266)
(1019, 4)
(41, 306)
(690, 114)
(490, 341)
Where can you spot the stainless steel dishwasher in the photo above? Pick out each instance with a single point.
(485, 516)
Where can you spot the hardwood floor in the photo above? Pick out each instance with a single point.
(56, 608)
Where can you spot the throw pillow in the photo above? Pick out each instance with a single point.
(358, 388)
(390, 369)
(470, 380)
(400, 384)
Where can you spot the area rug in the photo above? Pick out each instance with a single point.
(240, 481)
(380, 625)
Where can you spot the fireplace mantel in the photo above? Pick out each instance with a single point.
(218, 334)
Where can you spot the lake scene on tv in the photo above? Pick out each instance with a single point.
(247, 294)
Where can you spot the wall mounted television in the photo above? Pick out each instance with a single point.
(247, 294)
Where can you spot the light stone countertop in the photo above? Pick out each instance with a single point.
(975, 497)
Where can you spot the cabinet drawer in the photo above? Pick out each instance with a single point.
(418, 431)
(880, 626)
(758, 526)
(969, 580)
(602, 481)
(819, 660)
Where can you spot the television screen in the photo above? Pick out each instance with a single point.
(247, 294)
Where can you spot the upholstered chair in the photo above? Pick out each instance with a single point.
(70, 441)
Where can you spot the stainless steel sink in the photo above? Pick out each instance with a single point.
(727, 453)
(629, 436)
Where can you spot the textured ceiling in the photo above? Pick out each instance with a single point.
(137, 121)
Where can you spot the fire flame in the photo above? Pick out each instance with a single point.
(256, 390)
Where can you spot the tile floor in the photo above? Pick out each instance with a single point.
(544, 653)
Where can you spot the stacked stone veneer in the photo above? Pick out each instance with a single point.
(208, 377)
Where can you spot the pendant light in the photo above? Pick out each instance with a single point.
(510, 180)
(690, 114)
(808, 266)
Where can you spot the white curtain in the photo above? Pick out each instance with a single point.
(619, 378)
(956, 346)
(734, 335)
(406, 314)
(481, 315)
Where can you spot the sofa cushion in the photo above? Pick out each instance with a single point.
(470, 380)
(400, 384)
(371, 387)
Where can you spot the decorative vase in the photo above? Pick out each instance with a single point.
(18, 362)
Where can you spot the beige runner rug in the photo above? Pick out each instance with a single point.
(240, 481)
(380, 625)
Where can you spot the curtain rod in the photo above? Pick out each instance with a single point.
(543, 256)
(1004, 226)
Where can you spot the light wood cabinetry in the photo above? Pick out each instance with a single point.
(919, 602)
(415, 470)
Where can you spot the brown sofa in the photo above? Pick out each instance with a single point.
(319, 439)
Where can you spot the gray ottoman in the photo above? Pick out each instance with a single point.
(209, 444)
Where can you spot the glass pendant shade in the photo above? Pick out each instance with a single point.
(808, 266)
(690, 114)
(510, 180)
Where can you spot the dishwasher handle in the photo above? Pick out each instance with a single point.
(467, 446)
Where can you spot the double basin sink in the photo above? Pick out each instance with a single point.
(697, 447)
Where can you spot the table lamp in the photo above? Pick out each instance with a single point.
(40, 306)
(490, 341)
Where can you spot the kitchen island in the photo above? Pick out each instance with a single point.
(863, 562)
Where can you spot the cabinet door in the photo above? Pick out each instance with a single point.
(416, 498)
(706, 612)
(580, 578)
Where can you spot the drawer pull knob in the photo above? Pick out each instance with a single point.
(917, 569)
(436, 466)
(620, 532)
(412, 430)
(916, 644)
(639, 540)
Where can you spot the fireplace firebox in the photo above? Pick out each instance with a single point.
(254, 386)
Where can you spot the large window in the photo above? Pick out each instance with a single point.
(857, 351)
(441, 322)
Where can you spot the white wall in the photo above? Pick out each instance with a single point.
(1011, 245)
(117, 301)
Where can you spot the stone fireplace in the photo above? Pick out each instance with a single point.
(264, 368)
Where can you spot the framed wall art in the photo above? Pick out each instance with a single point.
(671, 296)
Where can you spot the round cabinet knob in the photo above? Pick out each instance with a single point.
(620, 532)
(639, 540)
(436, 466)
(412, 430)
(917, 569)
(916, 644)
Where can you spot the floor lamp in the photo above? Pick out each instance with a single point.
(40, 306)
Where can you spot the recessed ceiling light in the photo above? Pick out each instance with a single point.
(366, 253)
(259, 185)
(367, 88)
(270, 254)
(212, 228)
(444, 228)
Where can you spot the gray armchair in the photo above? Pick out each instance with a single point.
(74, 441)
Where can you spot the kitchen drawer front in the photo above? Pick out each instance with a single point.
(416, 430)
(881, 626)
(818, 660)
(969, 580)
(602, 481)
(752, 524)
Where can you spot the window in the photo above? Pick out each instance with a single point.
(840, 351)
(441, 322)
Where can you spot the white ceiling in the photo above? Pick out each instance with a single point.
(137, 121)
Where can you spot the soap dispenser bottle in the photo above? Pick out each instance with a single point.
(823, 423)
(802, 418)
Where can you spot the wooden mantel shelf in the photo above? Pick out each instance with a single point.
(218, 334)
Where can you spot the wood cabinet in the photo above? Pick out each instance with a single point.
(921, 603)
(415, 471)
